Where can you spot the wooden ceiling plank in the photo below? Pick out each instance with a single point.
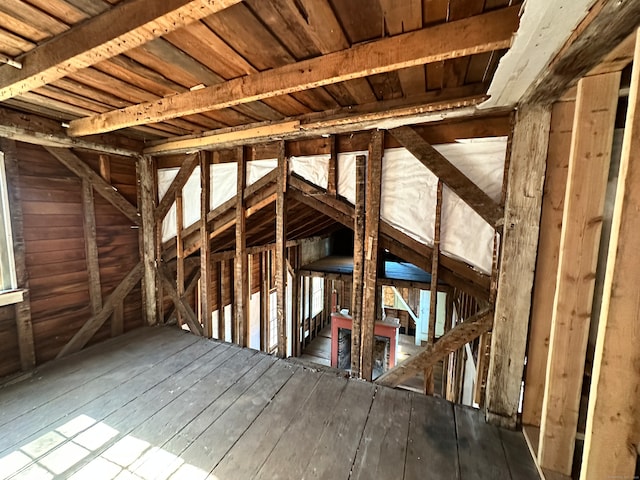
(14, 45)
(433, 13)
(453, 178)
(482, 33)
(401, 17)
(116, 31)
(61, 10)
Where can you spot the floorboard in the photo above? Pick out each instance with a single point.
(163, 404)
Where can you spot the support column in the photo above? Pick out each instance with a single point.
(370, 277)
(589, 162)
(206, 287)
(612, 439)
(146, 208)
(358, 270)
(519, 250)
(547, 262)
(433, 304)
(241, 259)
(281, 250)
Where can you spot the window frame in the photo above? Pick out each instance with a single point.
(8, 276)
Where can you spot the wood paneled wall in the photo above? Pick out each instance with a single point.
(51, 197)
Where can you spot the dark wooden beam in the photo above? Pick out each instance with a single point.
(24, 326)
(281, 251)
(106, 190)
(241, 261)
(452, 177)
(371, 237)
(206, 288)
(91, 248)
(601, 33)
(148, 238)
(358, 267)
(182, 307)
(93, 324)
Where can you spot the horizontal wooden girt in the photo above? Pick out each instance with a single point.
(483, 33)
(122, 28)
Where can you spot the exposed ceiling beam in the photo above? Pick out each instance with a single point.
(125, 26)
(483, 33)
(34, 129)
(431, 106)
(598, 35)
(453, 178)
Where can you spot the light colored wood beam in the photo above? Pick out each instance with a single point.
(519, 250)
(544, 286)
(482, 33)
(122, 28)
(612, 439)
(104, 189)
(454, 339)
(93, 324)
(457, 181)
(371, 238)
(430, 107)
(589, 162)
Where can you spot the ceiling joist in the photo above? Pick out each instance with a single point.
(122, 28)
(483, 33)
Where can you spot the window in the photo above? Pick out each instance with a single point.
(7, 264)
(317, 286)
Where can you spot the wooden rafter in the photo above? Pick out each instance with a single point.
(106, 190)
(482, 33)
(457, 181)
(122, 28)
(451, 341)
(93, 324)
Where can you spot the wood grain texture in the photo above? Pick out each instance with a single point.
(148, 238)
(612, 432)
(589, 162)
(547, 261)
(486, 32)
(186, 169)
(359, 225)
(91, 247)
(519, 250)
(112, 33)
(281, 250)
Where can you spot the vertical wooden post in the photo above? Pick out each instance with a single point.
(612, 440)
(91, 247)
(589, 163)
(281, 250)
(24, 326)
(358, 267)
(433, 298)
(241, 278)
(217, 273)
(179, 250)
(332, 181)
(519, 249)
(229, 265)
(544, 286)
(264, 301)
(146, 207)
(370, 277)
(206, 289)
(295, 299)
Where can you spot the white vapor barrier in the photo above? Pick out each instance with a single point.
(314, 168)
(408, 193)
(224, 183)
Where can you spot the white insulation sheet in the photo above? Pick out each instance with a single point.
(408, 193)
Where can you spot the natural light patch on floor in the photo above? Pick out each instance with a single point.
(86, 449)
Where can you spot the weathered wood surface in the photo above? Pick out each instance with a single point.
(122, 405)
(584, 206)
(519, 250)
(358, 268)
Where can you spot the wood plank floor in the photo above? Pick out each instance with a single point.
(160, 403)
